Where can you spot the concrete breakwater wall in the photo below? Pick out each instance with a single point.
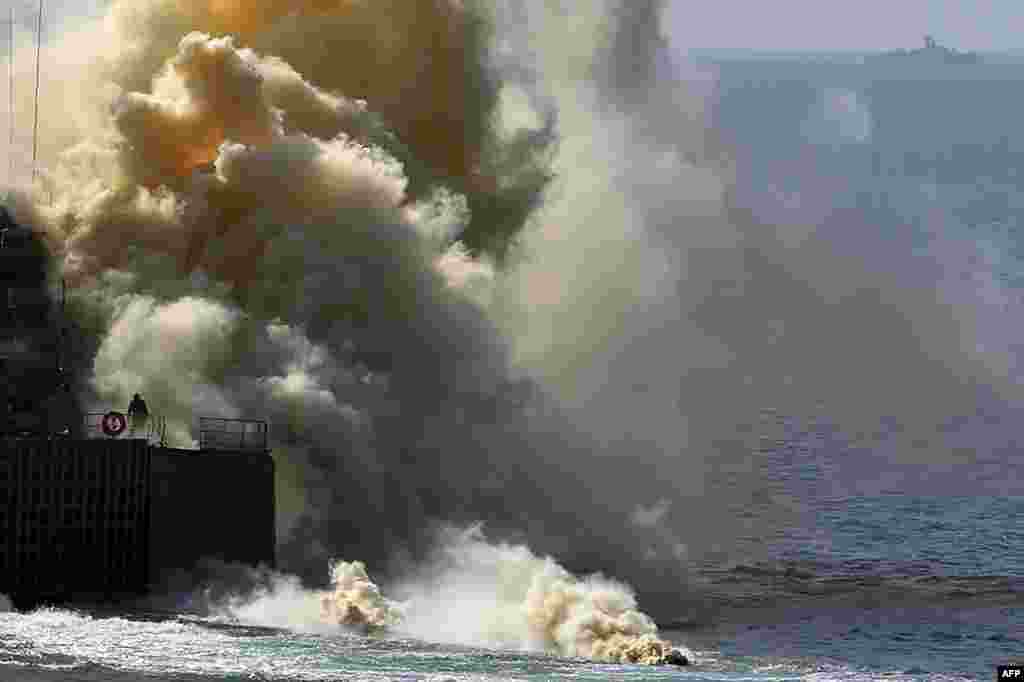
(102, 518)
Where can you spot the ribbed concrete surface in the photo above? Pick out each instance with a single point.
(73, 516)
(88, 517)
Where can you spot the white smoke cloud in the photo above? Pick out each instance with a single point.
(491, 594)
(655, 523)
(283, 603)
(169, 352)
(517, 112)
(307, 372)
(647, 517)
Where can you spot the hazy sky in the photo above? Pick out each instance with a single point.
(846, 24)
(782, 24)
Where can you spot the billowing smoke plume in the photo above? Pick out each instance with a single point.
(472, 263)
(499, 594)
(308, 218)
(352, 601)
(356, 600)
(491, 594)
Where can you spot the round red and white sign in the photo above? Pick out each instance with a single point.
(114, 423)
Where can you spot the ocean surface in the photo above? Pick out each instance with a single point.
(917, 574)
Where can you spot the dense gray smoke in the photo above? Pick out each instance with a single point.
(474, 263)
(249, 232)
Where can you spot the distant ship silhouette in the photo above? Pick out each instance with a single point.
(931, 53)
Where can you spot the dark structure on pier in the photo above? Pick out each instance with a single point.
(91, 519)
(87, 517)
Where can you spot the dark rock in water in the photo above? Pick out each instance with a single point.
(676, 657)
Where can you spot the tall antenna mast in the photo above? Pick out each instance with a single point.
(35, 125)
(10, 103)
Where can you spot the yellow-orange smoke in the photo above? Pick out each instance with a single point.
(417, 63)
(356, 600)
(209, 95)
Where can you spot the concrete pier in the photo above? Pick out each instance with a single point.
(103, 517)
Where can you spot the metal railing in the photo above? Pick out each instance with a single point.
(153, 429)
(215, 433)
(247, 435)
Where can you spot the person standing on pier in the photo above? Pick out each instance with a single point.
(137, 413)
